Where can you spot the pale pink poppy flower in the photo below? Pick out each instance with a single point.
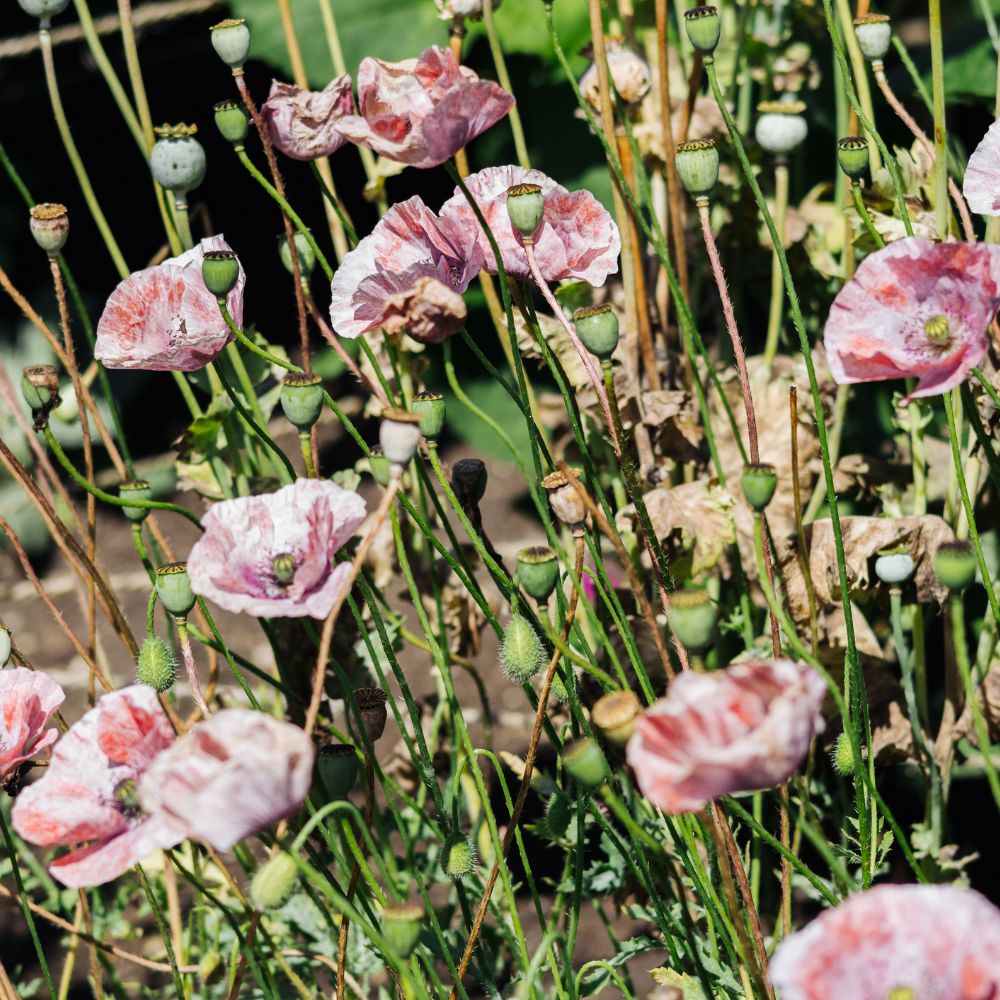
(165, 319)
(577, 238)
(915, 310)
(303, 123)
(408, 243)
(28, 700)
(230, 776)
(735, 730)
(928, 942)
(272, 555)
(429, 312)
(88, 791)
(422, 111)
(981, 186)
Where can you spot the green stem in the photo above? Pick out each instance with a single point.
(940, 125)
(520, 146)
(776, 313)
(161, 926)
(859, 204)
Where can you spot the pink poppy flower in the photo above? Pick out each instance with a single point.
(272, 555)
(577, 238)
(28, 700)
(928, 942)
(422, 111)
(230, 776)
(430, 312)
(303, 123)
(981, 186)
(409, 242)
(735, 730)
(915, 310)
(88, 791)
(164, 318)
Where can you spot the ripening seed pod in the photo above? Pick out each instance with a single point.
(429, 408)
(231, 41)
(399, 435)
(759, 482)
(564, 498)
(338, 769)
(526, 208)
(50, 227)
(698, 166)
(955, 565)
(894, 567)
(704, 27)
(173, 587)
(597, 328)
(781, 126)
(874, 35)
(538, 571)
(135, 489)
(692, 618)
(615, 715)
(371, 703)
(6, 646)
(852, 155)
(302, 398)
(585, 763)
(40, 387)
(220, 270)
(178, 159)
(44, 10)
(232, 122)
(402, 924)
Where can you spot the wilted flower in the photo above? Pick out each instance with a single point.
(88, 792)
(422, 111)
(409, 243)
(429, 312)
(303, 123)
(28, 700)
(576, 239)
(915, 310)
(740, 729)
(982, 175)
(165, 319)
(628, 70)
(919, 942)
(272, 555)
(230, 776)
(450, 9)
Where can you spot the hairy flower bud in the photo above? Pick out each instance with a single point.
(538, 571)
(399, 435)
(173, 587)
(842, 755)
(401, 926)
(302, 398)
(338, 769)
(50, 227)
(526, 207)
(703, 26)
(521, 652)
(458, 857)
(155, 665)
(692, 618)
(178, 158)
(429, 408)
(231, 41)
(698, 166)
(135, 489)
(597, 328)
(852, 155)
(274, 882)
(615, 715)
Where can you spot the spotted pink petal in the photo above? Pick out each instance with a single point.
(940, 942)
(232, 562)
(982, 175)
(740, 729)
(28, 700)
(878, 324)
(577, 239)
(422, 111)
(230, 776)
(303, 123)
(165, 319)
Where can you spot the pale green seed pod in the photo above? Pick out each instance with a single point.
(173, 587)
(401, 926)
(178, 159)
(526, 208)
(231, 41)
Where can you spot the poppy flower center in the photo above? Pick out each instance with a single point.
(283, 567)
(127, 798)
(938, 331)
(901, 993)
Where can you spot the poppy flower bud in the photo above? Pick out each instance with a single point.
(458, 857)
(429, 409)
(955, 565)
(615, 715)
(135, 489)
(565, 501)
(232, 122)
(597, 327)
(231, 41)
(628, 70)
(401, 926)
(538, 571)
(698, 166)
(274, 882)
(894, 568)
(693, 614)
(781, 126)
(399, 435)
(40, 387)
(338, 769)
(6, 645)
(220, 270)
(371, 703)
(50, 227)
(842, 755)
(178, 158)
(585, 762)
(173, 587)
(211, 967)
(558, 813)
(302, 398)
(305, 253)
(521, 652)
(43, 9)
(155, 665)
(526, 207)
(874, 35)
(852, 155)
(468, 480)
(703, 26)
(759, 483)
(558, 689)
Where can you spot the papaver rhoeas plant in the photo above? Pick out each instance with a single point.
(273, 555)
(735, 730)
(303, 123)
(165, 319)
(916, 310)
(28, 700)
(576, 239)
(422, 111)
(911, 942)
(982, 175)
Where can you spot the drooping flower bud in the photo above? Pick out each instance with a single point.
(173, 587)
(304, 252)
(585, 762)
(232, 121)
(704, 27)
(781, 126)
(429, 408)
(615, 715)
(955, 565)
(894, 568)
(274, 882)
(526, 207)
(874, 34)
(338, 769)
(178, 158)
(565, 501)
(451, 9)
(40, 387)
(842, 755)
(558, 813)
(231, 40)
(521, 652)
(220, 270)
(302, 398)
(458, 857)
(401, 926)
(698, 166)
(629, 73)
(692, 618)
(44, 10)
(50, 227)
(852, 155)
(155, 665)
(597, 327)
(759, 483)
(135, 489)
(468, 480)
(371, 703)
(538, 571)
(6, 646)
(399, 435)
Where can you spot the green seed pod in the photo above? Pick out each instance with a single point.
(693, 614)
(615, 715)
(585, 763)
(597, 328)
(458, 857)
(399, 435)
(429, 408)
(283, 568)
(43, 9)
(521, 653)
(338, 769)
(526, 208)
(220, 270)
(303, 250)
(302, 398)
(50, 227)
(781, 126)
(894, 568)
(381, 467)
(6, 646)
(759, 483)
(842, 755)
(232, 122)
(698, 166)
(173, 587)
(274, 882)
(538, 571)
(135, 489)
(155, 666)
(231, 40)
(874, 34)
(955, 565)
(558, 813)
(40, 387)
(852, 155)
(703, 26)
(402, 924)
(178, 158)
